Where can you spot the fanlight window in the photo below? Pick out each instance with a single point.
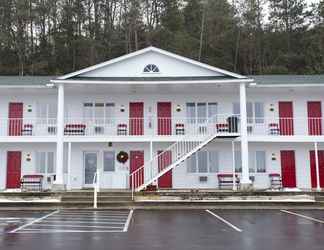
(151, 68)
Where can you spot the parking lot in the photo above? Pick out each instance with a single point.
(167, 229)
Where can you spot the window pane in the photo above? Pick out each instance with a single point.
(260, 161)
(259, 112)
(238, 162)
(87, 110)
(99, 112)
(213, 162)
(191, 112)
(191, 164)
(249, 112)
(202, 162)
(110, 112)
(201, 112)
(50, 162)
(109, 161)
(212, 111)
(251, 162)
(41, 110)
(52, 110)
(41, 162)
(236, 108)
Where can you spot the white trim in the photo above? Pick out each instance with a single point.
(148, 49)
(150, 82)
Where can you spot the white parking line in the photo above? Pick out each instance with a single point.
(83, 222)
(128, 220)
(303, 216)
(32, 222)
(44, 231)
(91, 216)
(225, 221)
(86, 219)
(70, 225)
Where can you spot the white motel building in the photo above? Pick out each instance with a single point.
(154, 118)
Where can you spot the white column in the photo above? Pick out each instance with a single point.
(69, 165)
(233, 167)
(60, 134)
(318, 187)
(244, 139)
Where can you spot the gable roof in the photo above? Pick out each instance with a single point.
(218, 74)
(287, 80)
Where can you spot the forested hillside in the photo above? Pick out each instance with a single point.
(45, 37)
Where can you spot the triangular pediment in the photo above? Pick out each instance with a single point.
(151, 63)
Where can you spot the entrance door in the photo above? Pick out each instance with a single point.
(136, 161)
(286, 116)
(313, 168)
(90, 167)
(314, 110)
(164, 160)
(13, 169)
(136, 116)
(288, 168)
(164, 118)
(15, 118)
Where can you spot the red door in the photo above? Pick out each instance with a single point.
(288, 169)
(15, 118)
(164, 118)
(164, 160)
(136, 115)
(13, 169)
(136, 162)
(314, 110)
(313, 168)
(286, 115)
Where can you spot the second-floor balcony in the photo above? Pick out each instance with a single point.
(223, 125)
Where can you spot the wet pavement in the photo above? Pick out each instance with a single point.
(167, 229)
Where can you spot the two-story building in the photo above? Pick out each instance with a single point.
(153, 117)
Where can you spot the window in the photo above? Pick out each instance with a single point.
(260, 161)
(100, 112)
(213, 162)
(203, 162)
(201, 111)
(45, 162)
(191, 112)
(109, 161)
(238, 161)
(46, 112)
(254, 111)
(151, 68)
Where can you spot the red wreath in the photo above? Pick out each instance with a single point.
(122, 157)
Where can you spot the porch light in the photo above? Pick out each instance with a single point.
(122, 108)
(50, 85)
(178, 109)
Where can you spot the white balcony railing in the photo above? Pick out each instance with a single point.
(27, 127)
(301, 126)
(151, 126)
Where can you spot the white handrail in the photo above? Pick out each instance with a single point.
(177, 152)
(96, 187)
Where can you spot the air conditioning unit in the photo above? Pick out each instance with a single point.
(203, 178)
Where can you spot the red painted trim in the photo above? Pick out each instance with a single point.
(314, 111)
(164, 118)
(136, 115)
(286, 115)
(15, 115)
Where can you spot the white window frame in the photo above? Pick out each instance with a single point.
(46, 167)
(251, 119)
(207, 114)
(195, 156)
(47, 107)
(114, 161)
(106, 119)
